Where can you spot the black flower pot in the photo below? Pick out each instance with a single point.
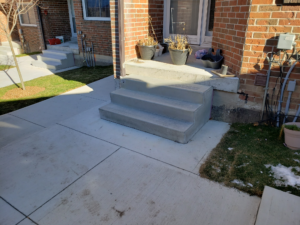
(179, 57)
(147, 52)
(212, 61)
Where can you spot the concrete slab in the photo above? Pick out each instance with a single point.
(278, 207)
(128, 188)
(13, 129)
(28, 71)
(26, 222)
(53, 110)
(8, 215)
(191, 73)
(99, 89)
(35, 169)
(186, 156)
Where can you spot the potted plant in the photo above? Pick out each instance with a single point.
(147, 48)
(179, 49)
(292, 135)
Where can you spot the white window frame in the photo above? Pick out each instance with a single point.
(27, 25)
(92, 18)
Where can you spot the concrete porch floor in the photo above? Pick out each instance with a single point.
(67, 46)
(61, 164)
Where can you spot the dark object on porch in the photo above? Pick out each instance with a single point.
(179, 57)
(54, 41)
(166, 47)
(147, 52)
(212, 61)
(260, 80)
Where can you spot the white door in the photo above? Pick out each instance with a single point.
(183, 17)
(72, 18)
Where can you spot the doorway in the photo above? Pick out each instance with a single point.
(72, 18)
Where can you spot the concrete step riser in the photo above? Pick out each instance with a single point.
(43, 65)
(165, 91)
(154, 107)
(143, 126)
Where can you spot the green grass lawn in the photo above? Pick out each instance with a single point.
(27, 54)
(54, 85)
(5, 67)
(242, 155)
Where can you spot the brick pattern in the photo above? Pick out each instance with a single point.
(14, 35)
(98, 32)
(267, 20)
(229, 32)
(115, 36)
(33, 39)
(136, 27)
(55, 19)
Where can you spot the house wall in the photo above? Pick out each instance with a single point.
(136, 25)
(268, 19)
(115, 36)
(14, 35)
(55, 19)
(32, 36)
(229, 32)
(97, 32)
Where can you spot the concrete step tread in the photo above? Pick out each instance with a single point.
(171, 83)
(149, 98)
(278, 207)
(56, 52)
(53, 56)
(172, 124)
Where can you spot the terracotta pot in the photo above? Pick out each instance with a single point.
(292, 137)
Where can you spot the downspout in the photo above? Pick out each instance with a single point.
(121, 38)
(41, 26)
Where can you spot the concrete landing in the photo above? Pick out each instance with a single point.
(278, 208)
(128, 188)
(191, 73)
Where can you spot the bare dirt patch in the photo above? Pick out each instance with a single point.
(20, 93)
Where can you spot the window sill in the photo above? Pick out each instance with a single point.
(28, 25)
(97, 18)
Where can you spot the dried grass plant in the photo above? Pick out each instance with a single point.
(179, 42)
(149, 41)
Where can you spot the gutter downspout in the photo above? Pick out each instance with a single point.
(41, 26)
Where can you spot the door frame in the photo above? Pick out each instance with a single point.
(71, 19)
(205, 40)
(166, 25)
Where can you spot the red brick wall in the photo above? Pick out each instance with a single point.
(98, 32)
(14, 35)
(231, 17)
(32, 36)
(56, 22)
(267, 21)
(115, 36)
(136, 27)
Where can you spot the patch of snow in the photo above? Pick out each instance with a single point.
(239, 182)
(286, 174)
(261, 171)
(217, 169)
(296, 153)
(230, 149)
(297, 160)
(249, 184)
(245, 164)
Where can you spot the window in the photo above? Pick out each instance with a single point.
(96, 10)
(28, 19)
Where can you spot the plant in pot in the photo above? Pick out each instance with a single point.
(147, 48)
(292, 135)
(179, 49)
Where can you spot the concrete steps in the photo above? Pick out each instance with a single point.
(54, 60)
(278, 208)
(172, 111)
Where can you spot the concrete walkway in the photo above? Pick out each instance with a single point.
(61, 164)
(28, 71)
